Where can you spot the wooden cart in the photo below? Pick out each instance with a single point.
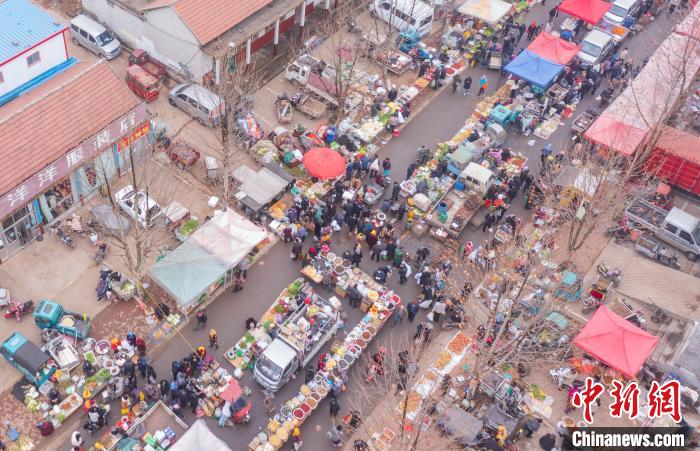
(183, 154)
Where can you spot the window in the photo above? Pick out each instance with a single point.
(671, 228)
(2, 78)
(426, 21)
(192, 102)
(91, 38)
(686, 236)
(83, 33)
(384, 5)
(33, 59)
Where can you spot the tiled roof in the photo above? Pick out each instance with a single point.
(22, 26)
(209, 19)
(44, 124)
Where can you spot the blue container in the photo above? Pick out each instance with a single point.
(330, 134)
(459, 186)
(442, 207)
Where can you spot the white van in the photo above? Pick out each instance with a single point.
(198, 102)
(94, 37)
(595, 47)
(404, 14)
(619, 11)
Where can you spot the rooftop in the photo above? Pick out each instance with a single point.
(42, 125)
(209, 19)
(250, 26)
(22, 26)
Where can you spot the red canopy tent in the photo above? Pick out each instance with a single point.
(612, 133)
(553, 49)
(616, 342)
(590, 11)
(324, 163)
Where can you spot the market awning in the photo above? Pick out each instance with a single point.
(490, 11)
(553, 49)
(199, 436)
(616, 342)
(590, 11)
(650, 97)
(211, 251)
(232, 392)
(610, 132)
(533, 68)
(261, 186)
(324, 163)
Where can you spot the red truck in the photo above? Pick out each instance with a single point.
(141, 58)
(676, 160)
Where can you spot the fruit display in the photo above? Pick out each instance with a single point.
(459, 343)
(442, 361)
(412, 401)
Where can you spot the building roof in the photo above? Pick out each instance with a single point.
(22, 26)
(42, 125)
(211, 18)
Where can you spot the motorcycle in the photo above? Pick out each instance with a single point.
(114, 389)
(454, 317)
(100, 253)
(351, 26)
(18, 310)
(611, 273)
(423, 156)
(63, 236)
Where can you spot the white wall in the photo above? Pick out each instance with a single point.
(15, 72)
(161, 33)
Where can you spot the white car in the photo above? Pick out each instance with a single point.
(138, 205)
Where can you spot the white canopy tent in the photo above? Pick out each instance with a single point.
(199, 436)
(208, 254)
(490, 11)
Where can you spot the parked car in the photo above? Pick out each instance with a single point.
(595, 47)
(620, 10)
(138, 205)
(94, 37)
(198, 102)
(404, 14)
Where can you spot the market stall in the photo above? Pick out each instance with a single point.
(295, 411)
(590, 11)
(199, 436)
(553, 49)
(490, 11)
(159, 427)
(616, 342)
(257, 189)
(535, 69)
(324, 163)
(193, 271)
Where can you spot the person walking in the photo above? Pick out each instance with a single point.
(456, 81)
(398, 315)
(334, 408)
(467, 85)
(409, 171)
(403, 273)
(296, 438)
(412, 310)
(552, 14)
(201, 319)
(213, 339)
(395, 191)
(488, 221)
(483, 85)
(334, 435)
(243, 267)
(531, 30)
(438, 311)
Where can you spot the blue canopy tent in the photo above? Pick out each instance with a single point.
(533, 68)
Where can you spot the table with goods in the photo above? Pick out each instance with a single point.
(344, 276)
(296, 410)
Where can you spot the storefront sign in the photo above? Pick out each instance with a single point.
(138, 133)
(72, 160)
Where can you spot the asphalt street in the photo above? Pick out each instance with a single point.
(437, 122)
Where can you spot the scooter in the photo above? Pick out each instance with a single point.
(18, 310)
(611, 273)
(63, 236)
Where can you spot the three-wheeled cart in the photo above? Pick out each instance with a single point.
(557, 92)
(212, 166)
(581, 122)
(311, 107)
(372, 193)
(495, 61)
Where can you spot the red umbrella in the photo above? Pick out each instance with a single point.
(324, 163)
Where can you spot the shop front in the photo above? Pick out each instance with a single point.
(55, 190)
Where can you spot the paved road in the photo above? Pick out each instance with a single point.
(437, 122)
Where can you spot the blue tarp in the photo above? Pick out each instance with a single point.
(535, 69)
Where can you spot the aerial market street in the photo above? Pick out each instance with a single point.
(538, 279)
